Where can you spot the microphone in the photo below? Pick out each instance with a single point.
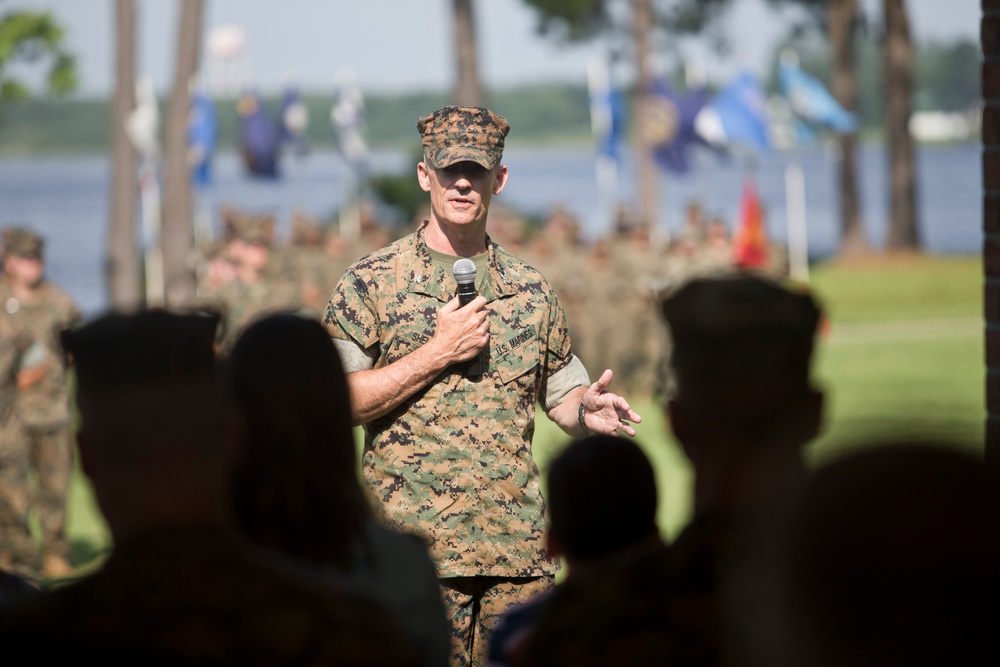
(465, 275)
(464, 271)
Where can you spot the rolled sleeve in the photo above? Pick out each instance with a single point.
(353, 357)
(562, 382)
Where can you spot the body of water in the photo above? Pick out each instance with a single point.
(67, 198)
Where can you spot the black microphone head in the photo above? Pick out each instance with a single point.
(464, 271)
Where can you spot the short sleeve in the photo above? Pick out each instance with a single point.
(558, 353)
(350, 315)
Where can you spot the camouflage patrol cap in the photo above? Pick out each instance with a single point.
(256, 229)
(23, 242)
(458, 134)
(740, 330)
(116, 350)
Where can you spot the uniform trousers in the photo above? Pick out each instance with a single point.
(475, 604)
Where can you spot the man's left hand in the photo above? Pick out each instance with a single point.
(607, 413)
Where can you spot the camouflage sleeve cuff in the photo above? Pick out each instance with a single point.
(565, 380)
(353, 357)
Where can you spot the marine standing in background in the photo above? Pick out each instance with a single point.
(20, 366)
(43, 408)
(448, 454)
(256, 290)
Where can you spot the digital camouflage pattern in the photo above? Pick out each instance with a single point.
(17, 547)
(459, 134)
(195, 595)
(652, 606)
(22, 242)
(242, 303)
(453, 462)
(44, 408)
(476, 604)
(49, 311)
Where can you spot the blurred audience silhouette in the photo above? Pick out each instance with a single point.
(592, 531)
(179, 587)
(296, 488)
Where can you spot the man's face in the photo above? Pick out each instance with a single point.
(27, 271)
(461, 193)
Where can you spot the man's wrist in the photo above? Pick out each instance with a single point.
(581, 416)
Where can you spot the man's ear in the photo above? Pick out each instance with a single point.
(501, 180)
(423, 177)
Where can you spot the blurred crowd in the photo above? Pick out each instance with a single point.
(250, 271)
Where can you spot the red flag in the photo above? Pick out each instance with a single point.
(750, 249)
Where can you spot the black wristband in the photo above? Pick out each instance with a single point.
(580, 418)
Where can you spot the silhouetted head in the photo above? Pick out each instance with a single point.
(742, 347)
(152, 428)
(601, 498)
(296, 486)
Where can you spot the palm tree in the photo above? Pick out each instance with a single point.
(122, 266)
(468, 87)
(898, 64)
(843, 19)
(178, 227)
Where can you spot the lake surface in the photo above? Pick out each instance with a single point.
(67, 198)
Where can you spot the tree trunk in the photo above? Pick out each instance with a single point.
(468, 87)
(843, 19)
(898, 68)
(123, 274)
(178, 228)
(642, 24)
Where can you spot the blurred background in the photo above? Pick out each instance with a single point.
(839, 138)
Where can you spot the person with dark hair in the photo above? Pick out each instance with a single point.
(743, 410)
(590, 530)
(179, 587)
(295, 486)
(887, 556)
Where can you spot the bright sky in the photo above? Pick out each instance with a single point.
(407, 44)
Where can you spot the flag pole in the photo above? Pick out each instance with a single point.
(795, 216)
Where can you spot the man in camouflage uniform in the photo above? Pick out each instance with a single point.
(448, 454)
(743, 412)
(257, 288)
(21, 365)
(42, 309)
(180, 586)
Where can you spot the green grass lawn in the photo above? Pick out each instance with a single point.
(902, 357)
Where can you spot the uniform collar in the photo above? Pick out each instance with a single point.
(424, 277)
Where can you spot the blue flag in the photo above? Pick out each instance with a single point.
(293, 119)
(812, 102)
(670, 125)
(203, 130)
(258, 138)
(737, 115)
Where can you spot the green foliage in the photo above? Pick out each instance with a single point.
(947, 76)
(401, 192)
(32, 37)
(540, 114)
(571, 19)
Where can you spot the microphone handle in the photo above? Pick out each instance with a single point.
(466, 294)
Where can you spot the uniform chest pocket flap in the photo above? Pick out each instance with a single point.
(515, 354)
(405, 342)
